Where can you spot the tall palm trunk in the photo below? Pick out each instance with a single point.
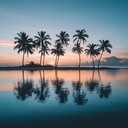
(93, 62)
(40, 58)
(23, 59)
(100, 59)
(43, 59)
(56, 61)
(79, 60)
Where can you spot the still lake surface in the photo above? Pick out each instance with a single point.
(64, 99)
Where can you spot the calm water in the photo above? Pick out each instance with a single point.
(64, 99)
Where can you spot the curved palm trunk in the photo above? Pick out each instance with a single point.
(79, 60)
(93, 62)
(23, 59)
(43, 59)
(40, 59)
(100, 59)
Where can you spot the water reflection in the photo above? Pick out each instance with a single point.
(104, 91)
(61, 92)
(24, 88)
(42, 91)
(79, 94)
(59, 89)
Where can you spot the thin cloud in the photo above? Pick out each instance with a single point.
(6, 43)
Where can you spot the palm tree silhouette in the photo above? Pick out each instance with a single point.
(58, 51)
(42, 41)
(80, 36)
(78, 50)
(24, 44)
(44, 50)
(63, 38)
(104, 46)
(92, 52)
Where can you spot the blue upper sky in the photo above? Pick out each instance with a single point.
(102, 19)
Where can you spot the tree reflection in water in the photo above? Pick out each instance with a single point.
(92, 84)
(104, 90)
(42, 92)
(79, 94)
(97, 85)
(24, 88)
(61, 92)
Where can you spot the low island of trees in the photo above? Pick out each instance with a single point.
(41, 42)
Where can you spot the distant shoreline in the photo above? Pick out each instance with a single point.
(59, 68)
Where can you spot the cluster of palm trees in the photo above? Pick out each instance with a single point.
(28, 45)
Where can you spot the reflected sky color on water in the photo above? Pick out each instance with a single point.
(64, 99)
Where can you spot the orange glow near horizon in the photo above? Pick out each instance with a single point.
(70, 75)
(68, 59)
(13, 58)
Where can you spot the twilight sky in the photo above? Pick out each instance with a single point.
(102, 19)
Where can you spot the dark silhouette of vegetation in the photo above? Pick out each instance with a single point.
(27, 45)
(58, 51)
(80, 36)
(24, 44)
(104, 46)
(44, 50)
(63, 38)
(78, 50)
(42, 42)
(32, 64)
(92, 52)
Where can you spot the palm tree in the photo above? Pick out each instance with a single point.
(24, 44)
(63, 38)
(92, 51)
(58, 51)
(104, 46)
(42, 41)
(44, 50)
(78, 50)
(80, 36)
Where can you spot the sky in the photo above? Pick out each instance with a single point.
(102, 19)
